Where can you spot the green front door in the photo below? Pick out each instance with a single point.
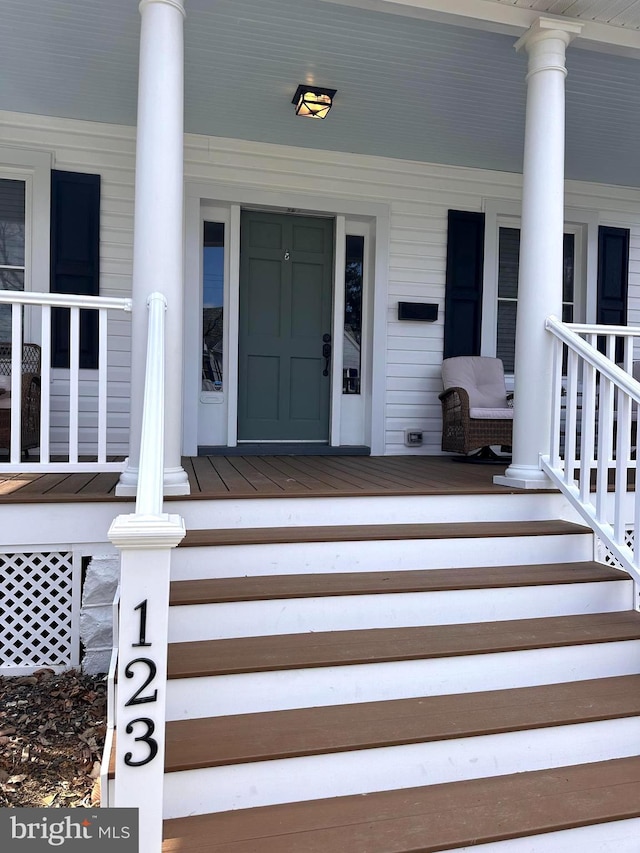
(286, 265)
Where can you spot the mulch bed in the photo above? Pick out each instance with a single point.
(52, 730)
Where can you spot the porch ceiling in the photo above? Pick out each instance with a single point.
(407, 87)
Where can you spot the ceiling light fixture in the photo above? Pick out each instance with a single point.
(313, 102)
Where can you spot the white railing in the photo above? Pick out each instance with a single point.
(44, 303)
(146, 539)
(593, 448)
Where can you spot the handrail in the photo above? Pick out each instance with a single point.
(592, 449)
(595, 358)
(145, 539)
(151, 468)
(64, 300)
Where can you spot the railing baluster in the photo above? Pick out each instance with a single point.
(16, 383)
(45, 382)
(74, 384)
(588, 435)
(556, 402)
(623, 448)
(570, 419)
(636, 539)
(605, 438)
(102, 386)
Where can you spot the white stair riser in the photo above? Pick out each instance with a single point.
(396, 555)
(340, 774)
(401, 509)
(393, 610)
(245, 693)
(618, 836)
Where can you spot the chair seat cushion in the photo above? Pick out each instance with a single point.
(494, 414)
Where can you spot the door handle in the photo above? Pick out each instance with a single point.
(326, 353)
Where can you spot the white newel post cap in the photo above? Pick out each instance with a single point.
(147, 532)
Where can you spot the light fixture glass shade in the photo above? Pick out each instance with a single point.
(313, 102)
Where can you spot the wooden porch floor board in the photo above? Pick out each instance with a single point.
(278, 476)
(260, 481)
(360, 476)
(233, 480)
(207, 479)
(287, 468)
(314, 478)
(391, 476)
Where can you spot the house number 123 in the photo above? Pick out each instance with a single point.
(149, 668)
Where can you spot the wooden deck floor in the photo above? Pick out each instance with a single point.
(277, 476)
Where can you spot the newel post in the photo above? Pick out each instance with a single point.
(145, 543)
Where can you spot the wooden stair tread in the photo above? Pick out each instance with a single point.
(339, 648)
(422, 820)
(379, 532)
(217, 590)
(241, 738)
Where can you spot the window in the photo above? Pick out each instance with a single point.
(353, 278)
(212, 306)
(508, 264)
(12, 245)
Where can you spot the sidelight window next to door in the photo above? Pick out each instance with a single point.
(212, 307)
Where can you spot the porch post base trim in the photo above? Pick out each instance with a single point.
(523, 477)
(175, 482)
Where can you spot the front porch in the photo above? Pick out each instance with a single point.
(217, 477)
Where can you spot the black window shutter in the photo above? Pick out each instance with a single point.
(75, 260)
(613, 275)
(463, 293)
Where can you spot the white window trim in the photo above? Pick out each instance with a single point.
(34, 168)
(506, 213)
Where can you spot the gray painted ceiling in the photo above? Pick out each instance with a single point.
(407, 88)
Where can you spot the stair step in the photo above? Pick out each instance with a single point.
(237, 739)
(265, 587)
(341, 648)
(447, 816)
(379, 532)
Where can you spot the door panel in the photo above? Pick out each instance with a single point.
(286, 267)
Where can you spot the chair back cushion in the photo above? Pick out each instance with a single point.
(481, 377)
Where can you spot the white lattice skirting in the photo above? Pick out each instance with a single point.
(607, 556)
(39, 596)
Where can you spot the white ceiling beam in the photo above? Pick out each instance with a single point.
(503, 18)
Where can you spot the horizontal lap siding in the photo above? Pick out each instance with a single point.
(419, 196)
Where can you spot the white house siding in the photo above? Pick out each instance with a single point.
(418, 194)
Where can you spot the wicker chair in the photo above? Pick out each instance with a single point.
(30, 423)
(475, 407)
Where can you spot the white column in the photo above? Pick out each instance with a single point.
(541, 237)
(158, 226)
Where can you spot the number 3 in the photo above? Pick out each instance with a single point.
(144, 738)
